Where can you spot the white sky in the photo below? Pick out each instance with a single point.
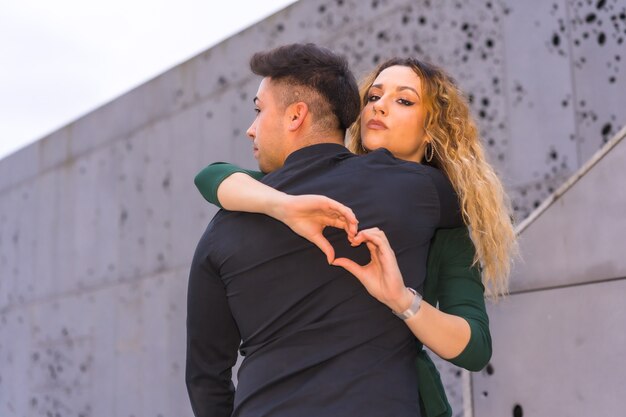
(60, 59)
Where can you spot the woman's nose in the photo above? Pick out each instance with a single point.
(379, 107)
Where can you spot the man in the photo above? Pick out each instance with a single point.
(314, 342)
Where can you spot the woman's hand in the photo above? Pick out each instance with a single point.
(308, 215)
(381, 277)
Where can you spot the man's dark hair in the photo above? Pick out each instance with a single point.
(316, 68)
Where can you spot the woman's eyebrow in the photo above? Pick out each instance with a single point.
(399, 88)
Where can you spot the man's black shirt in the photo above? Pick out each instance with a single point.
(315, 342)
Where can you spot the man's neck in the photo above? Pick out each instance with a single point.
(304, 141)
(314, 138)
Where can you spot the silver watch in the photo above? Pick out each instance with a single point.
(413, 308)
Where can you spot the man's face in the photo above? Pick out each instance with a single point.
(268, 128)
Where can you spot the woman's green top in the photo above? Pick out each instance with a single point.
(452, 283)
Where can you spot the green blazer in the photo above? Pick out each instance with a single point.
(453, 284)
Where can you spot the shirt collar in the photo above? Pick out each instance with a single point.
(313, 152)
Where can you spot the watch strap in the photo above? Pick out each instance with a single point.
(413, 308)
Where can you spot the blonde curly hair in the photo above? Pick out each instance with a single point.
(458, 152)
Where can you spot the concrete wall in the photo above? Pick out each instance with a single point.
(99, 220)
(558, 338)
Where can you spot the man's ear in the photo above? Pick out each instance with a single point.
(296, 113)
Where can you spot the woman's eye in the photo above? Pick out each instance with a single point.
(373, 97)
(405, 102)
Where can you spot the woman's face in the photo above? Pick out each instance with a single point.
(394, 115)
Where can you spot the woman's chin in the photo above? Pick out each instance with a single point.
(373, 145)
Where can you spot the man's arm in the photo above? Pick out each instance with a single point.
(212, 342)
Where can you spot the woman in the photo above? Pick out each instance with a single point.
(415, 111)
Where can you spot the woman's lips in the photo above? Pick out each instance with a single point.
(376, 125)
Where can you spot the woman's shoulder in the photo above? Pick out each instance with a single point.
(384, 156)
(435, 176)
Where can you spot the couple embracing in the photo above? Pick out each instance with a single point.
(331, 321)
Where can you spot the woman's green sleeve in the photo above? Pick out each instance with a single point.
(459, 291)
(209, 179)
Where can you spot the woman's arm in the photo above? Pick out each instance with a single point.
(458, 288)
(448, 332)
(307, 215)
(209, 179)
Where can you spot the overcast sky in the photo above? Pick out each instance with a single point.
(60, 59)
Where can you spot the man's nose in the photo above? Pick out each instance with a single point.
(251, 132)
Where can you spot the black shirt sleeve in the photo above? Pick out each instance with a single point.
(212, 339)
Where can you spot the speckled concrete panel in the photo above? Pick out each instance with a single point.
(174, 333)
(131, 205)
(227, 117)
(225, 66)
(526, 198)
(63, 264)
(582, 231)
(189, 212)
(597, 31)
(325, 17)
(87, 364)
(128, 363)
(19, 244)
(9, 244)
(14, 397)
(102, 305)
(60, 358)
(94, 248)
(540, 100)
(148, 348)
(163, 335)
(554, 357)
(5, 244)
(47, 233)
(158, 176)
(86, 216)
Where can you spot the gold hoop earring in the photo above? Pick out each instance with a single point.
(427, 156)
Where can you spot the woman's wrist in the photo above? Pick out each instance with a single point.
(413, 308)
(277, 205)
(403, 302)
